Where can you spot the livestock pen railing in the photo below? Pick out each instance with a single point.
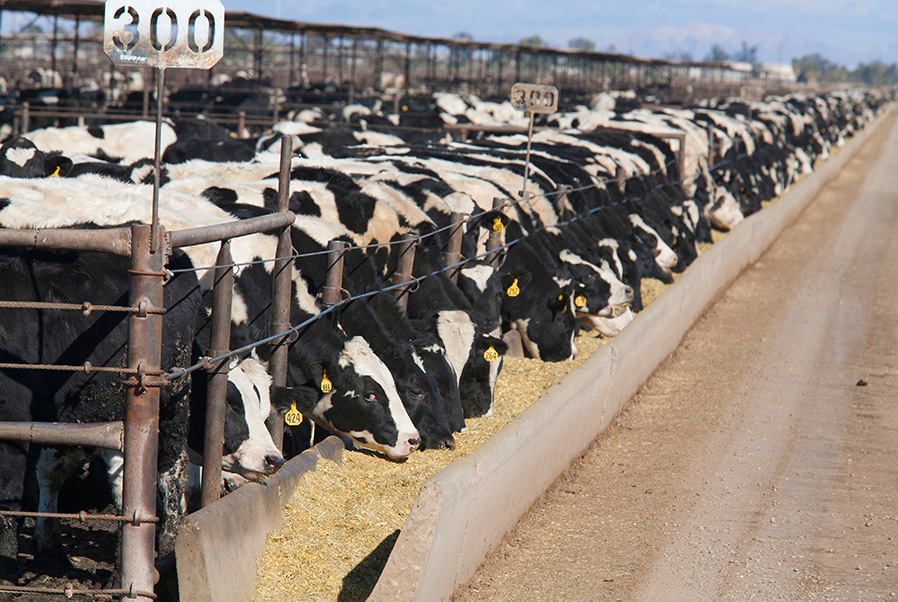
(137, 435)
(148, 274)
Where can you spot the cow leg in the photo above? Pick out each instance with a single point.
(171, 504)
(13, 459)
(53, 467)
(115, 469)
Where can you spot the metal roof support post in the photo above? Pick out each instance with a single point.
(142, 415)
(216, 394)
(324, 59)
(379, 66)
(291, 79)
(257, 55)
(281, 293)
(77, 43)
(408, 66)
(53, 46)
(355, 57)
(499, 68)
(340, 60)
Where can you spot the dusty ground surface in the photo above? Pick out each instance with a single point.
(760, 462)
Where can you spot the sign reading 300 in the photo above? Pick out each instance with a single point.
(164, 33)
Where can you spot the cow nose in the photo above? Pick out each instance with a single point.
(272, 463)
(414, 442)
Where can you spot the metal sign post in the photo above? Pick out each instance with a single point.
(160, 34)
(532, 99)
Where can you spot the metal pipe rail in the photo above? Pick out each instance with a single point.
(207, 234)
(115, 241)
(108, 435)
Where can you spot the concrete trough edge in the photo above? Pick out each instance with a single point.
(465, 510)
(218, 548)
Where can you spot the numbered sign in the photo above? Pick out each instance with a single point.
(164, 33)
(534, 98)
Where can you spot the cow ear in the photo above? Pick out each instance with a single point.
(494, 221)
(58, 166)
(496, 343)
(521, 278)
(283, 398)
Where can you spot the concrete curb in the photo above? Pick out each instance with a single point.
(218, 548)
(463, 511)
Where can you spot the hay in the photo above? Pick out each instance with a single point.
(342, 521)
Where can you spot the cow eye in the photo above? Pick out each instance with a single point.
(371, 398)
(416, 394)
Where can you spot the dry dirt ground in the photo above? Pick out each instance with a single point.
(760, 462)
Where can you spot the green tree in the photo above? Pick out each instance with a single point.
(583, 44)
(533, 40)
(718, 54)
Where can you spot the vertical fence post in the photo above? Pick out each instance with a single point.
(453, 251)
(241, 124)
(216, 396)
(495, 238)
(26, 117)
(404, 269)
(142, 414)
(333, 284)
(281, 288)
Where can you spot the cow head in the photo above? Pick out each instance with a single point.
(248, 449)
(355, 395)
(20, 158)
(477, 385)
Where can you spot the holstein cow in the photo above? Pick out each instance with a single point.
(335, 379)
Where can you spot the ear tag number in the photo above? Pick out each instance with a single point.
(491, 355)
(513, 290)
(498, 226)
(326, 385)
(580, 301)
(293, 417)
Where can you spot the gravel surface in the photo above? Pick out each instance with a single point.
(760, 462)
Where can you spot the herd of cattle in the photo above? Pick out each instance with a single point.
(609, 201)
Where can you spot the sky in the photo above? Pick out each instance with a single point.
(846, 32)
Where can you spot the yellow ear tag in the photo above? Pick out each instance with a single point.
(498, 226)
(326, 385)
(491, 355)
(579, 301)
(55, 174)
(404, 108)
(293, 417)
(513, 290)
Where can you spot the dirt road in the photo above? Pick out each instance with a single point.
(760, 462)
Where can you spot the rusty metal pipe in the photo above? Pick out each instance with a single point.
(333, 284)
(216, 396)
(453, 251)
(198, 236)
(116, 241)
(142, 416)
(494, 241)
(281, 291)
(108, 435)
(404, 269)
